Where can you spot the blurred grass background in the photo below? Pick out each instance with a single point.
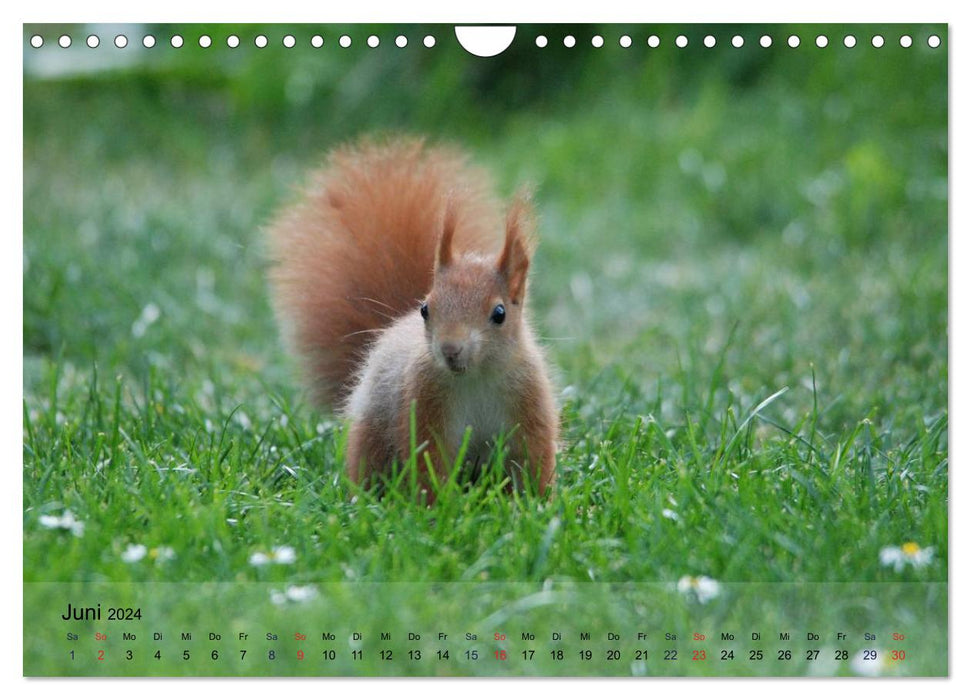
(716, 224)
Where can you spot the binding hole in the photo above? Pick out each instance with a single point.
(626, 41)
(822, 41)
(738, 41)
(429, 41)
(653, 41)
(232, 41)
(877, 41)
(849, 41)
(93, 41)
(681, 41)
(36, 41)
(64, 41)
(205, 41)
(401, 41)
(176, 42)
(934, 41)
(906, 41)
(316, 41)
(765, 41)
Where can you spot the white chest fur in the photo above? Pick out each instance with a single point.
(475, 403)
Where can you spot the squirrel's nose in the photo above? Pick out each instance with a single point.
(451, 350)
(453, 354)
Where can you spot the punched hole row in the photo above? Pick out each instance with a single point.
(233, 41)
(738, 41)
(569, 41)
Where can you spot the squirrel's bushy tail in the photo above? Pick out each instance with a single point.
(357, 250)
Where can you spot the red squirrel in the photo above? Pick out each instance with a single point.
(402, 287)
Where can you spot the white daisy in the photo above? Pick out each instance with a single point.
(133, 553)
(293, 594)
(259, 559)
(299, 594)
(137, 552)
(162, 554)
(278, 555)
(67, 521)
(243, 420)
(701, 587)
(150, 314)
(284, 555)
(908, 553)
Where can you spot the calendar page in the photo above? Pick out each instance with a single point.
(433, 350)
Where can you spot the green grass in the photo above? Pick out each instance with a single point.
(743, 283)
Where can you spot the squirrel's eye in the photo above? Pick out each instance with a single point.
(498, 314)
(424, 311)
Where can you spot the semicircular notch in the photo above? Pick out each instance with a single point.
(485, 41)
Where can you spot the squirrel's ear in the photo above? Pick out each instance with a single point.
(448, 232)
(514, 260)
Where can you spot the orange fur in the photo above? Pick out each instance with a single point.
(383, 228)
(357, 250)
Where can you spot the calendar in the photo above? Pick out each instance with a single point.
(480, 630)
(736, 241)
